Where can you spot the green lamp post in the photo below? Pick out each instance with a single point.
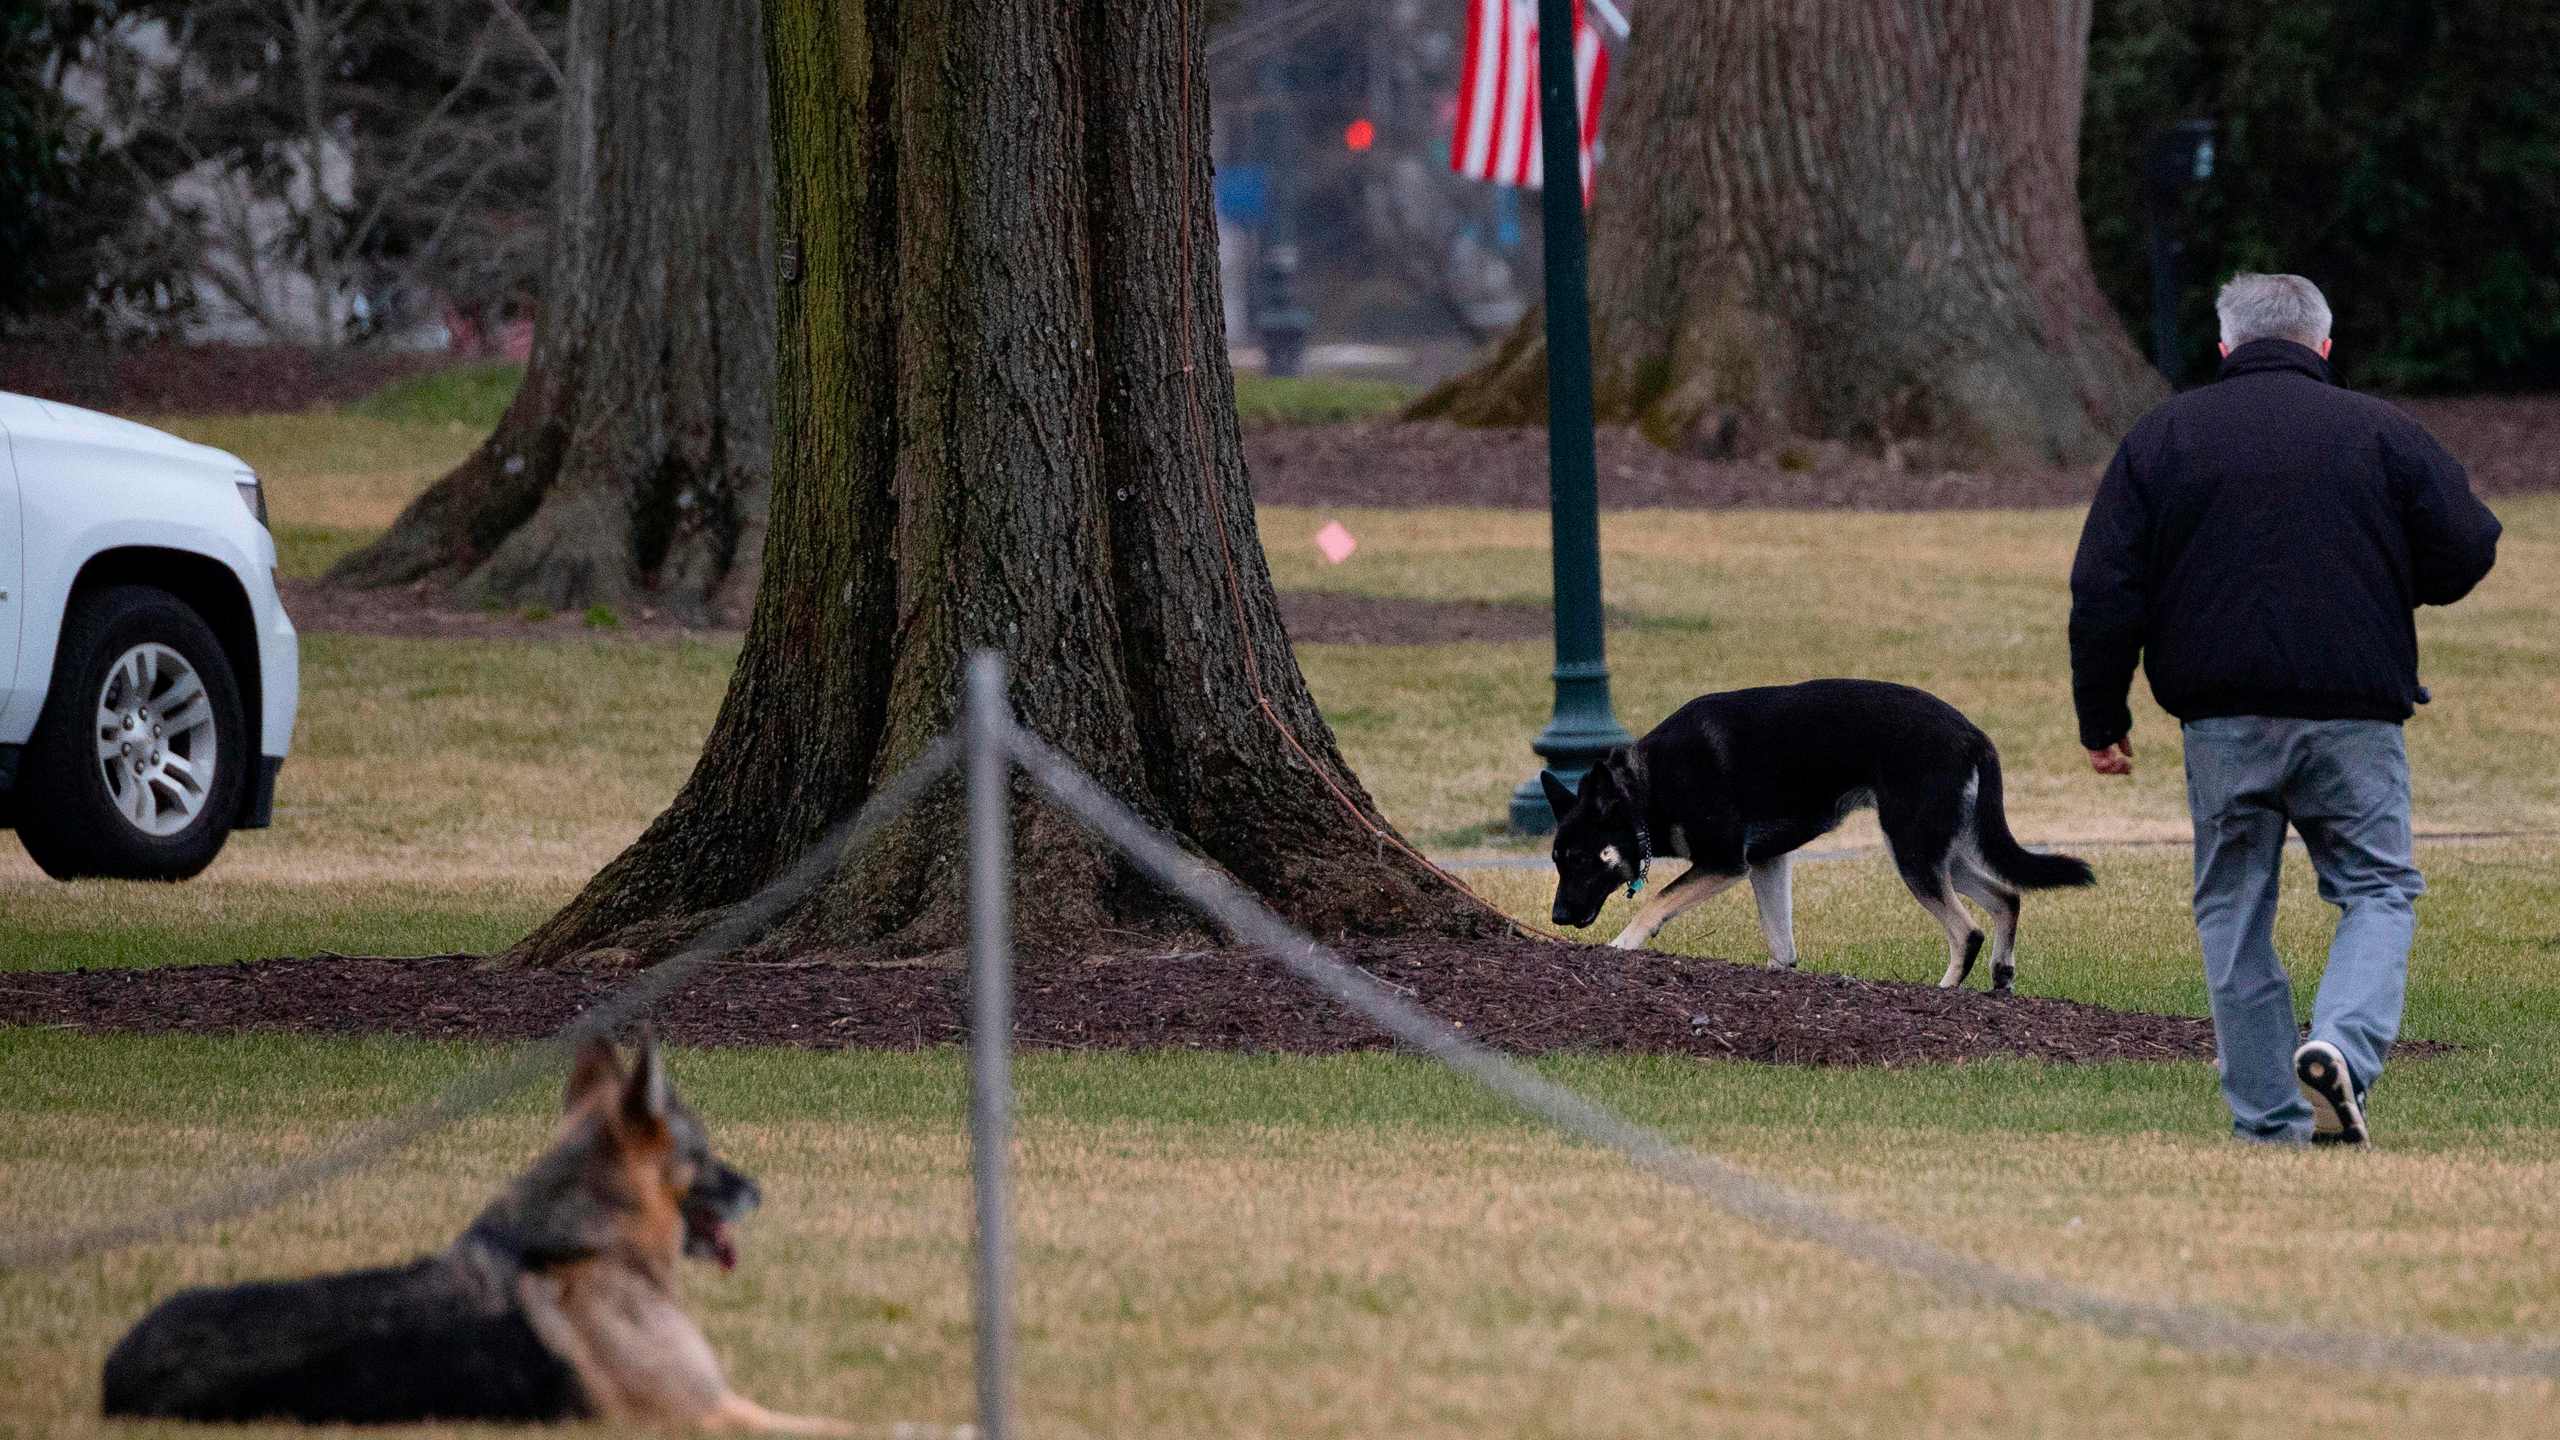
(1584, 726)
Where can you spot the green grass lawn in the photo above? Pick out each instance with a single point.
(1365, 1246)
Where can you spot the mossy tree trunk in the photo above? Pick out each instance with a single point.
(1847, 221)
(632, 468)
(1005, 419)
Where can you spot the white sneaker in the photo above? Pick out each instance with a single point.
(2337, 1111)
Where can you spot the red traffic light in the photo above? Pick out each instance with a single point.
(1359, 135)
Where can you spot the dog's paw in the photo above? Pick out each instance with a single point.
(1780, 965)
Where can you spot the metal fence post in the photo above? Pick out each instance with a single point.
(990, 766)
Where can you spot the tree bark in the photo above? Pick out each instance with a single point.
(633, 466)
(1005, 420)
(1844, 221)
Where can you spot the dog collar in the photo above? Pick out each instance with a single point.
(513, 1246)
(498, 1239)
(1644, 838)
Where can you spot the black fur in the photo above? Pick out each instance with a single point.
(1739, 778)
(438, 1339)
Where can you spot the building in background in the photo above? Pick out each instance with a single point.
(1332, 125)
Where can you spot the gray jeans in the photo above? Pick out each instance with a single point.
(2345, 785)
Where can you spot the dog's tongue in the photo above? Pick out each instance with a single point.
(724, 1247)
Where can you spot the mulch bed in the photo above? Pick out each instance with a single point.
(1313, 618)
(1435, 463)
(161, 379)
(428, 612)
(1317, 618)
(1520, 995)
(2506, 441)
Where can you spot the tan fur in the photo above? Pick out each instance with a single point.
(640, 1358)
(615, 1319)
(1691, 888)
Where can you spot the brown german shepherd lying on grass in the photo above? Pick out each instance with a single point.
(559, 1303)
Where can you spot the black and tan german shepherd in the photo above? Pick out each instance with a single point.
(1736, 782)
(559, 1303)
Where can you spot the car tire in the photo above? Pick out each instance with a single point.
(143, 703)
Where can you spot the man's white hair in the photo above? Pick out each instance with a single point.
(2272, 307)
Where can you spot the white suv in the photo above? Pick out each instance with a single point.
(148, 675)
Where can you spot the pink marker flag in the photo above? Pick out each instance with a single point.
(1335, 542)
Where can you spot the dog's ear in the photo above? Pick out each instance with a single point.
(644, 1095)
(1559, 795)
(1600, 785)
(597, 1069)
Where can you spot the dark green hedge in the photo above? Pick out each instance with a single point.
(51, 198)
(30, 164)
(2404, 155)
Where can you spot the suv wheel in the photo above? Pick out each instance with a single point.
(136, 764)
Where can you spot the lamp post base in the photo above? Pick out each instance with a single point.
(1585, 728)
(1531, 816)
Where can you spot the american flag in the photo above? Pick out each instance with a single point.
(1497, 129)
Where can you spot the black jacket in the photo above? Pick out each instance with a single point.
(2261, 544)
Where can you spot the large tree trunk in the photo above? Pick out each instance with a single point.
(1854, 220)
(632, 467)
(1006, 420)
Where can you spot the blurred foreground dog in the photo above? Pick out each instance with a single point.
(1736, 782)
(559, 1303)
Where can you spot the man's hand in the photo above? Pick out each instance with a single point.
(2116, 759)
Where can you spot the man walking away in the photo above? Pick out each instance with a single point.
(2260, 546)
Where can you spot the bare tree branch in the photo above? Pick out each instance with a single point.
(393, 183)
(508, 12)
(392, 158)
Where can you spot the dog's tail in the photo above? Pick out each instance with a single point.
(2007, 858)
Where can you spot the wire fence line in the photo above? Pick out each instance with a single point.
(1763, 1202)
(996, 737)
(473, 1093)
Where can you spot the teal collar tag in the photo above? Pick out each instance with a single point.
(1644, 858)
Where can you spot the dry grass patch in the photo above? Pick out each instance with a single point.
(1362, 1275)
(332, 481)
(1971, 606)
(441, 796)
(334, 471)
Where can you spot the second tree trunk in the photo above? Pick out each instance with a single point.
(1845, 221)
